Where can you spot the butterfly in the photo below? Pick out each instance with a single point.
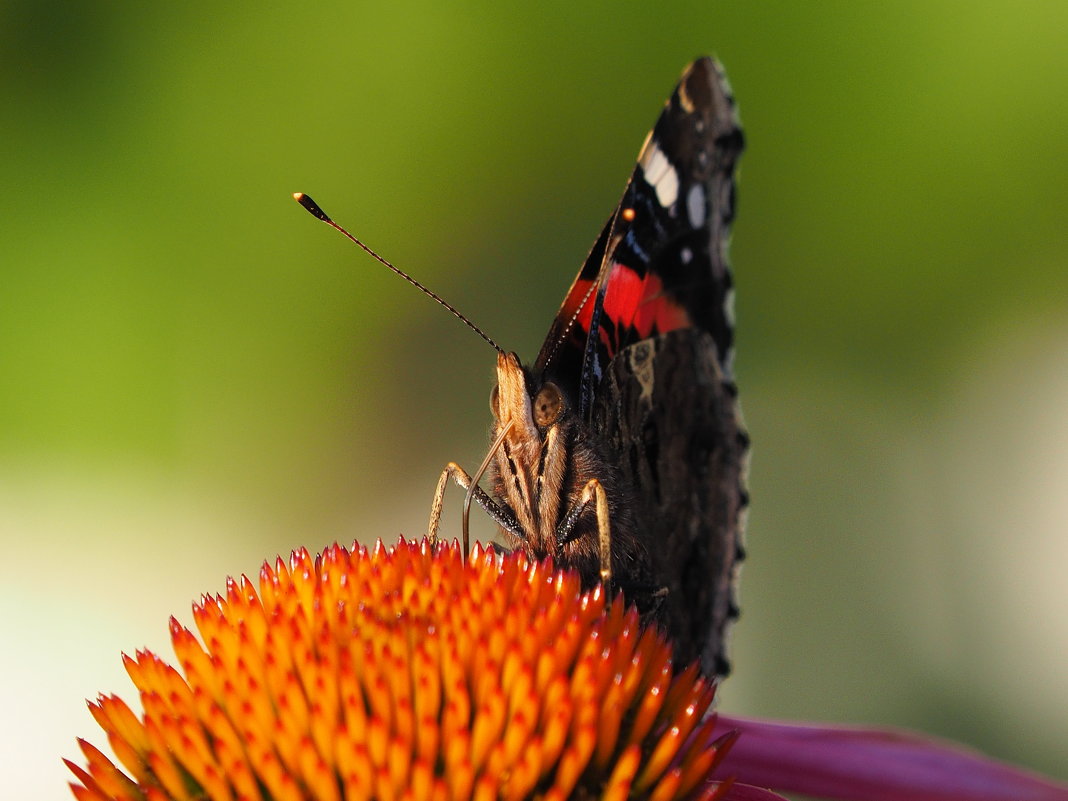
(620, 450)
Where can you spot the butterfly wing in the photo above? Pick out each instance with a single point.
(660, 262)
(642, 345)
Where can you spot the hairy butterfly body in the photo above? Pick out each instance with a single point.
(620, 450)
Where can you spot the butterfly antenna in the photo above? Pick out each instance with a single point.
(318, 213)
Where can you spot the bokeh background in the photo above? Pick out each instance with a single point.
(195, 374)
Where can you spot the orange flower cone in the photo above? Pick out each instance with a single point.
(402, 673)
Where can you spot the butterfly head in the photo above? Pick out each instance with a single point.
(531, 461)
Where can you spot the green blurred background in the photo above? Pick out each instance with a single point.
(195, 375)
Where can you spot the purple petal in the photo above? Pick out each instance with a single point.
(873, 765)
(745, 792)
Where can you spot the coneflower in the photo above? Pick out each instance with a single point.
(403, 673)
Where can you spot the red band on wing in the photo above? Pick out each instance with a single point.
(638, 308)
(657, 312)
(635, 307)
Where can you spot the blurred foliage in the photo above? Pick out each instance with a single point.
(178, 338)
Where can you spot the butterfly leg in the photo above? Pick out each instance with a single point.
(594, 493)
(501, 515)
(457, 474)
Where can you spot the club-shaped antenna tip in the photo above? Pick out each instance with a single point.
(311, 206)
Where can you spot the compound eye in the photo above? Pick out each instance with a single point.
(495, 400)
(548, 405)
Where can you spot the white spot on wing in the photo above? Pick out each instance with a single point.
(695, 205)
(686, 255)
(667, 189)
(728, 307)
(654, 162)
(660, 174)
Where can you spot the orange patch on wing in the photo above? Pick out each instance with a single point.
(638, 302)
(621, 299)
(657, 311)
(632, 303)
(625, 291)
(580, 293)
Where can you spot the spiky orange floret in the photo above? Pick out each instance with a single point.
(402, 673)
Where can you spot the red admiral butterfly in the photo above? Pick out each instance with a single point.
(620, 452)
(625, 431)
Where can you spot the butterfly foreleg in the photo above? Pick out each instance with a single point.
(501, 515)
(594, 493)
